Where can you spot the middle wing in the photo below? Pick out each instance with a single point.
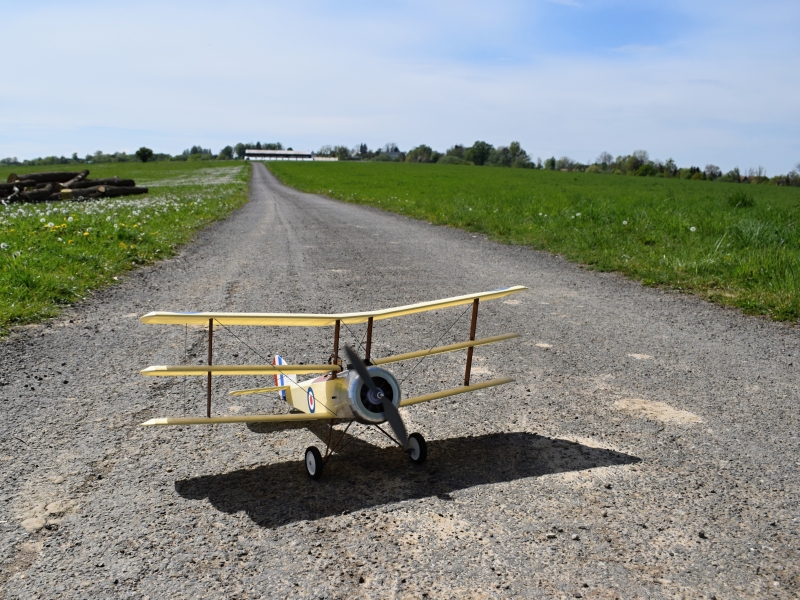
(285, 418)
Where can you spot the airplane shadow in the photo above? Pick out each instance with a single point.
(364, 476)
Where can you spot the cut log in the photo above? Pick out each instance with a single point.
(113, 191)
(54, 177)
(8, 188)
(100, 191)
(116, 181)
(38, 195)
(90, 192)
(79, 177)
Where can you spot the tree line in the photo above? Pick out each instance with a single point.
(481, 153)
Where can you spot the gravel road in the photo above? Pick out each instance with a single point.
(648, 449)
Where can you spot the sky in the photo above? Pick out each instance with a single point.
(713, 82)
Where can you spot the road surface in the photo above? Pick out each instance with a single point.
(648, 449)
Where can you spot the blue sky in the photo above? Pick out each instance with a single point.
(711, 82)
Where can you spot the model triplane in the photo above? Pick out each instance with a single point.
(361, 391)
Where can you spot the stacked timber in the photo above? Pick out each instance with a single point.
(48, 187)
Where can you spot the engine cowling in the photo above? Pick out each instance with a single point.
(365, 411)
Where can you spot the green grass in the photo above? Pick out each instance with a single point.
(735, 244)
(52, 254)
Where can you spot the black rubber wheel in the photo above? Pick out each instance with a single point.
(314, 462)
(417, 448)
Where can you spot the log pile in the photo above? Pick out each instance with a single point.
(48, 187)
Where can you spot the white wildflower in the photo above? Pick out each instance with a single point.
(624, 222)
(70, 219)
(692, 229)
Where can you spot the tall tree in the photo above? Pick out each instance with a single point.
(478, 152)
(144, 154)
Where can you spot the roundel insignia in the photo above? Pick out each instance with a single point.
(312, 402)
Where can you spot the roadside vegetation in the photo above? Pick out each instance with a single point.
(735, 244)
(52, 254)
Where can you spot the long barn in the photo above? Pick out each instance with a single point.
(282, 155)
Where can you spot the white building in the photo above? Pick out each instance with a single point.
(283, 155)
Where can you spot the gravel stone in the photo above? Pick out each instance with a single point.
(587, 437)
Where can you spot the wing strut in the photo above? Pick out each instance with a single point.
(210, 354)
(472, 327)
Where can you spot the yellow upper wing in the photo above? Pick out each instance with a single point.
(315, 320)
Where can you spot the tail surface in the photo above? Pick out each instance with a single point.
(280, 378)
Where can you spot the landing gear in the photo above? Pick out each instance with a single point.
(314, 462)
(417, 448)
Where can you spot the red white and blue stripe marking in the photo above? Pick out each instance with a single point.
(280, 378)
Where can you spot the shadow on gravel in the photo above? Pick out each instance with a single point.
(365, 476)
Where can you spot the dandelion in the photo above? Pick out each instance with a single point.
(540, 214)
(41, 220)
(108, 218)
(3, 246)
(577, 214)
(85, 233)
(51, 224)
(692, 229)
(60, 240)
(70, 220)
(624, 222)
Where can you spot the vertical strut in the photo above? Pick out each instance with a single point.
(368, 349)
(210, 354)
(471, 339)
(335, 357)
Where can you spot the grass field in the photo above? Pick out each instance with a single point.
(52, 254)
(735, 244)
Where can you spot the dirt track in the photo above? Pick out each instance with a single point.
(648, 449)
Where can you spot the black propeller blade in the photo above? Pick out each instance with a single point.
(375, 395)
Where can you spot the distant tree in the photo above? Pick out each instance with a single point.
(550, 163)
(226, 153)
(342, 152)
(420, 154)
(457, 151)
(390, 148)
(499, 157)
(712, 172)
(258, 146)
(144, 154)
(604, 160)
(519, 158)
(646, 170)
(565, 162)
(478, 152)
(449, 159)
(240, 150)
